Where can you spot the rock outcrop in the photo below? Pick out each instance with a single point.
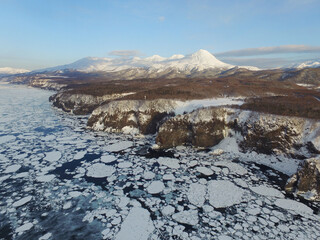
(306, 182)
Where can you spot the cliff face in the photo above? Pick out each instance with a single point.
(306, 182)
(201, 128)
(206, 127)
(132, 116)
(262, 133)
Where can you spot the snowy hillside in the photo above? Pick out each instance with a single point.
(197, 61)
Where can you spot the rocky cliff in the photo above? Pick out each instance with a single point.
(306, 182)
(262, 133)
(201, 128)
(206, 127)
(81, 103)
(132, 116)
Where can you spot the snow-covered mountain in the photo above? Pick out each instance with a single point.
(308, 64)
(198, 61)
(9, 71)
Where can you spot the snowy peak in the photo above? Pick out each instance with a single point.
(203, 57)
(155, 58)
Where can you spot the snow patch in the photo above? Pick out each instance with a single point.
(189, 106)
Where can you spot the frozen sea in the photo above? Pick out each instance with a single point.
(62, 181)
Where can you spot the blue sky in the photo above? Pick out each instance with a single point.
(44, 33)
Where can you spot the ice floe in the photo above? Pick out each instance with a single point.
(267, 191)
(189, 217)
(196, 194)
(292, 205)
(137, 225)
(119, 146)
(22, 201)
(169, 162)
(100, 170)
(155, 187)
(7, 138)
(24, 227)
(12, 168)
(205, 171)
(108, 158)
(223, 193)
(53, 156)
(45, 178)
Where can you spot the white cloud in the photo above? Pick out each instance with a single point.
(262, 63)
(269, 50)
(161, 18)
(125, 53)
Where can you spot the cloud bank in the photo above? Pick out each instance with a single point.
(269, 50)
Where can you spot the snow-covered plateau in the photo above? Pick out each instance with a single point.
(62, 181)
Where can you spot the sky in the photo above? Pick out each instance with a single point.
(265, 33)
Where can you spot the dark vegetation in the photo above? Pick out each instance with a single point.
(300, 106)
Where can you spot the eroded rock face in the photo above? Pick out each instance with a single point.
(131, 116)
(201, 128)
(306, 182)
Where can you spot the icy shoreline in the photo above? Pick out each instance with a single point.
(52, 184)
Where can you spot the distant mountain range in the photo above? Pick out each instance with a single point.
(198, 61)
(307, 64)
(198, 64)
(10, 71)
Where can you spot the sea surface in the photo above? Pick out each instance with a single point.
(60, 180)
